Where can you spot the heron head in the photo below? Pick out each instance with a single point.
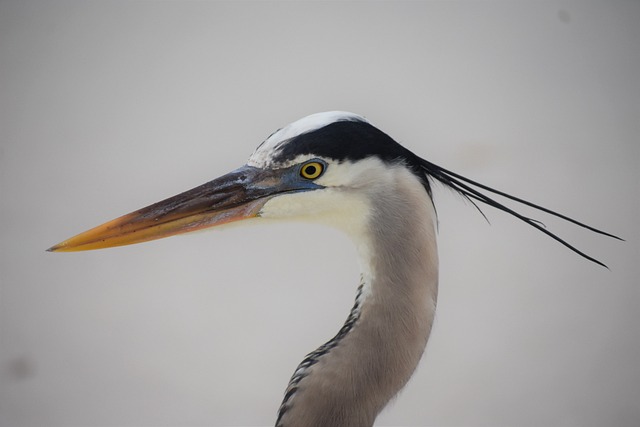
(324, 167)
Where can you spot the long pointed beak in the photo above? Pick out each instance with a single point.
(233, 197)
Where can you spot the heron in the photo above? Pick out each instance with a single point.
(337, 168)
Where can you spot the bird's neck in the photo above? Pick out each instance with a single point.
(349, 380)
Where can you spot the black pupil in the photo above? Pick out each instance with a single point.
(310, 170)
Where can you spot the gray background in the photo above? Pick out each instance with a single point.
(108, 106)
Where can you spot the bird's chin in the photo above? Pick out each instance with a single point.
(329, 206)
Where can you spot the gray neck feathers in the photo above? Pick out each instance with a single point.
(349, 380)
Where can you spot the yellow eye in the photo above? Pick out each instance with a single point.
(311, 170)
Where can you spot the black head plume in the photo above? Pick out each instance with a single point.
(471, 190)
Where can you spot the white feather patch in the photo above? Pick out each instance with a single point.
(263, 155)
